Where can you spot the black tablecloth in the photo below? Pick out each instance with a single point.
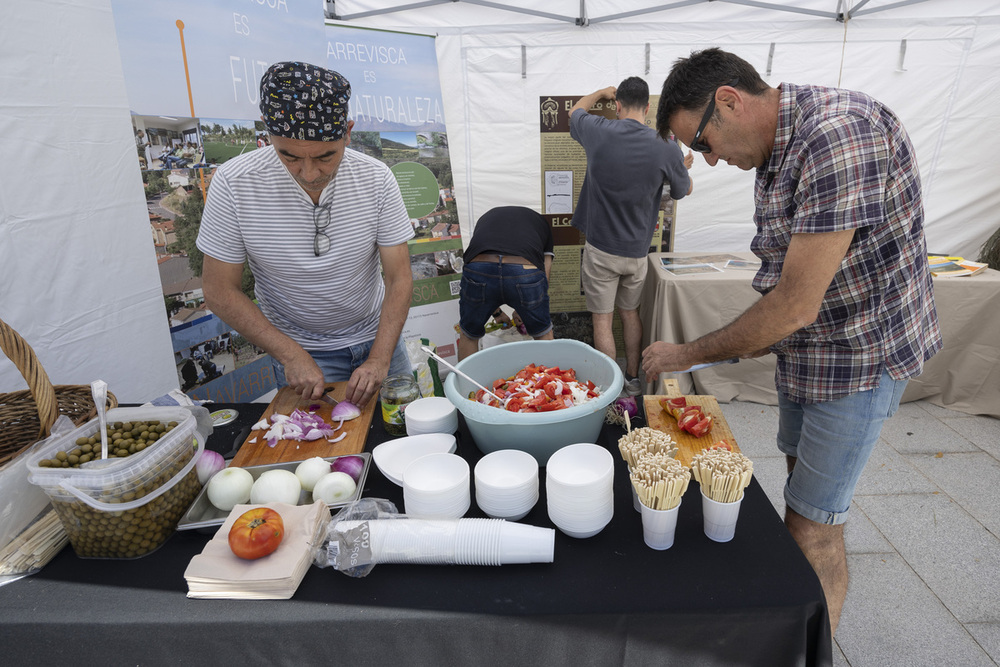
(605, 600)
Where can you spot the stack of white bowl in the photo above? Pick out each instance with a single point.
(578, 488)
(394, 456)
(507, 484)
(434, 414)
(437, 485)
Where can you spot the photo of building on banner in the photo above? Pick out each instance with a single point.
(399, 119)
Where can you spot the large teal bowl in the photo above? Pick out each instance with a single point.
(541, 433)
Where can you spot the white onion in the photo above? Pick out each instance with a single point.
(334, 487)
(276, 486)
(229, 487)
(310, 470)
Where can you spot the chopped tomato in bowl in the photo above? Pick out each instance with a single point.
(542, 431)
(537, 388)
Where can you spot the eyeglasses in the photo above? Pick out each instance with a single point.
(696, 143)
(321, 242)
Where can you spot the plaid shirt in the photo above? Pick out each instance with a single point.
(840, 161)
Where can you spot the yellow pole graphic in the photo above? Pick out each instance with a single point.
(187, 79)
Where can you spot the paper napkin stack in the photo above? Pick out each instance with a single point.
(218, 573)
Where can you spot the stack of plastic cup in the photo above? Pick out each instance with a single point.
(434, 414)
(461, 541)
(507, 484)
(578, 488)
(437, 485)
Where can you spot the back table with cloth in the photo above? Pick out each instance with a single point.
(963, 376)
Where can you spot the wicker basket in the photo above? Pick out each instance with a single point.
(27, 415)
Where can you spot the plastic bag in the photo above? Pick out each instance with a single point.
(347, 552)
(425, 367)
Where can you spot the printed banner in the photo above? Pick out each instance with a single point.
(205, 57)
(399, 119)
(192, 69)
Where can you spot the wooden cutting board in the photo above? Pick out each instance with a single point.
(286, 400)
(687, 444)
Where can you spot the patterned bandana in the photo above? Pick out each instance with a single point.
(303, 101)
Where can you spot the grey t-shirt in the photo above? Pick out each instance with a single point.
(627, 166)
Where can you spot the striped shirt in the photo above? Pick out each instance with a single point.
(841, 160)
(256, 211)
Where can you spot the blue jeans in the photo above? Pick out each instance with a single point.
(832, 442)
(486, 286)
(337, 365)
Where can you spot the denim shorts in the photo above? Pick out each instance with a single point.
(832, 442)
(488, 285)
(337, 365)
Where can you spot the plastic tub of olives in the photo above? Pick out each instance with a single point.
(125, 506)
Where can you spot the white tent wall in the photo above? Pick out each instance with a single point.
(78, 277)
(941, 81)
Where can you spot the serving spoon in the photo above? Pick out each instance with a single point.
(99, 390)
(431, 352)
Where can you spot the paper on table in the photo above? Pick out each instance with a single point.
(218, 573)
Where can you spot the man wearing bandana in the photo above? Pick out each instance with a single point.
(324, 230)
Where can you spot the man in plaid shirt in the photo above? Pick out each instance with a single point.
(847, 303)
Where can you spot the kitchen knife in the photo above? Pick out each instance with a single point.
(327, 399)
(701, 367)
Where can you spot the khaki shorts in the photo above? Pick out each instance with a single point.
(610, 281)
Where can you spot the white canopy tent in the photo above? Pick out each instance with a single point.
(78, 277)
(932, 61)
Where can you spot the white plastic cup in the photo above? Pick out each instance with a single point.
(477, 542)
(636, 503)
(720, 518)
(659, 526)
(520, 543)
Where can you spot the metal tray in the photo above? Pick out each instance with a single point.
(202, 514)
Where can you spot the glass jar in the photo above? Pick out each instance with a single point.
(397, 392)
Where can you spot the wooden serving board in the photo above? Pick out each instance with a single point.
(687, 444)
(286, 400)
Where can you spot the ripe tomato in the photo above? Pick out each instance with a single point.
(690, 418)
(256, 533)
(700, 427)
(669, 404)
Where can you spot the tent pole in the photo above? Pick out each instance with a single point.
(648, 10)
(902, 3)
(781, 8)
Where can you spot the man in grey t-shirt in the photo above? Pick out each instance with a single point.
(627, 167)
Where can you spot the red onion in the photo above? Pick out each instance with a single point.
(299, 425)
(345, 410)
(627, 405)
(352, 465)
(209, 463)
